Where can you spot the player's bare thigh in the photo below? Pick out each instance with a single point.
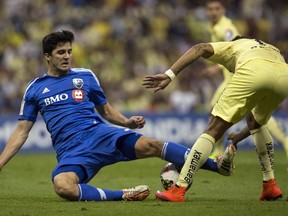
(66, 185)
(147, 147)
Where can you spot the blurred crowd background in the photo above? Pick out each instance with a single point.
(124, 40)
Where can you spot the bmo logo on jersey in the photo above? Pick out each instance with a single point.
(78, 95)
(56, 98)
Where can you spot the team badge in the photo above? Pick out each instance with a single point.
(229, 34)
(78, 95)
(78, 83)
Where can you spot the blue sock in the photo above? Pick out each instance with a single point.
(89, 193)
(211, 165)
(177, 155)
(174, 153)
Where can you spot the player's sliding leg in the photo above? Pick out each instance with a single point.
(196, 158)
(177, 155)
(265, 151)
(90, 193)
(277, 132)
(68, 184)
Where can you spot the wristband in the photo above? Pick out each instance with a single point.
(170, 74)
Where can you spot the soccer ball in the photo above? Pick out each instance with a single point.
(169, 176)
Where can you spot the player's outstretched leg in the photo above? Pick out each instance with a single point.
(225, 162)
(177, 154)
(67, 187)
(90, 193)
(137, 193)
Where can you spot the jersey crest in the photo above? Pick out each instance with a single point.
(78, 82)
(229, 34)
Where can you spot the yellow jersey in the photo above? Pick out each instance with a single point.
(233, 54)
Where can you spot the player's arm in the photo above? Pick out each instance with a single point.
(16, 141)
(115, 117)
(161, 81)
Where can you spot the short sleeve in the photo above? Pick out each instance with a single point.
(29, 108)
(224, 55)
(220, 50)
(96, 93)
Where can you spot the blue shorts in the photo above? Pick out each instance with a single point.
(96, 148)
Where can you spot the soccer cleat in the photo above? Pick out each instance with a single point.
(137, 193)
(225, 162)
(270, 191)
(173, 194)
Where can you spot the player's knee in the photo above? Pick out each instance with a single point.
(149, 148)
(155, 147)
(251, 122)
(65, 189)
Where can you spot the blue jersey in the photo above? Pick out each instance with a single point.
(67, 103)
(79, 135)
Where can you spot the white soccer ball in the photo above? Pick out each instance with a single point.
(169, 176)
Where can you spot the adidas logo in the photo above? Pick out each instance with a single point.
(45, 90)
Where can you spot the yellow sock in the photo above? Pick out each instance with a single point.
(277, 132)
(196, 158)
(265, 151)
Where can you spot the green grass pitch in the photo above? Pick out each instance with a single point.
(26, 189)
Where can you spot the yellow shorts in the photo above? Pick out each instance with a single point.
(227, 77)
(218, 92)
(258, 86)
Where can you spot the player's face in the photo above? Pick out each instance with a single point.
(60, 58)
(215, 11)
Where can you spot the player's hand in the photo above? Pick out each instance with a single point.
(136, 122)
(157, 82)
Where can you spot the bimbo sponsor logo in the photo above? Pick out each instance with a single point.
(56, 98)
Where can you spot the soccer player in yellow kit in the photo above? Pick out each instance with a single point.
(222, 29)
(257, 88)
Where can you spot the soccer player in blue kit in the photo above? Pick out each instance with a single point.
(66, 98)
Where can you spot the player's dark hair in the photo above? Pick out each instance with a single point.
(50, 41)
(224, 3)
(238, 37)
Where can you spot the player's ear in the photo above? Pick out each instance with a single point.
(47, 56)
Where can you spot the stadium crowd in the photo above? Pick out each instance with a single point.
(124, 40)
